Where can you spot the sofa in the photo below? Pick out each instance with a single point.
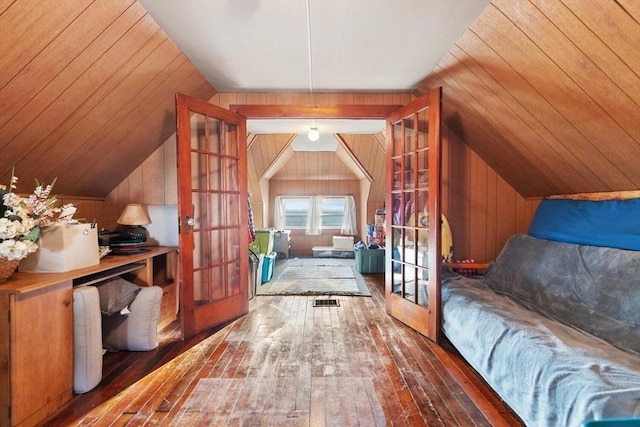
(553, 326)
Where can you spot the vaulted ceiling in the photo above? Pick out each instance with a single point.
(546, 92)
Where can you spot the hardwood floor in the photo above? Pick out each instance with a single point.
(289, 363)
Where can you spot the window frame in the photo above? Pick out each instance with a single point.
(309, 200)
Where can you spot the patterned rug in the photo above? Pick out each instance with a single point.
(315, 276)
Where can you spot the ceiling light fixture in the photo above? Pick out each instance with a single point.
(313, 134)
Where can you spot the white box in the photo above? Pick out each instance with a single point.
(63, 247)
(343, 242)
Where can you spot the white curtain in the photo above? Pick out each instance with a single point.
(278, 213)
(349, 222)
(314, 220)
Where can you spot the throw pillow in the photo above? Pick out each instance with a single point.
(116, 294)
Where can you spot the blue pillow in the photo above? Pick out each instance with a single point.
(607, 223)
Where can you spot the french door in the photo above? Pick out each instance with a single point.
(212, 205)
(413, 257)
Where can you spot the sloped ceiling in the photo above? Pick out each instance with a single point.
(546, 91)
(87, 91)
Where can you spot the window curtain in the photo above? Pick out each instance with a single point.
(349, 222)
(314, 220)
(278, 213)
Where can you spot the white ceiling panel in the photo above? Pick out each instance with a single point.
(356, 45)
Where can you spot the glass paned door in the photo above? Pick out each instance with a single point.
(213, 211)
(413, 167)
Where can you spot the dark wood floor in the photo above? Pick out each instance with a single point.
(288, 363)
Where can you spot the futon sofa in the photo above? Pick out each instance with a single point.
(553, 325)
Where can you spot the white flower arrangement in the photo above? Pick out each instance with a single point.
(22, 217)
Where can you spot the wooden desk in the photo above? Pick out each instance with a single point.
(36, 329)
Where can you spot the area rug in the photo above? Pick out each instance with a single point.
(315, 276)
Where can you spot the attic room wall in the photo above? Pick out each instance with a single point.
(261, 152)
(154, 182)
(482, 208)
(302, 244)
(370, 150)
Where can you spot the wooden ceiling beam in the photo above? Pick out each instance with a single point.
(315, 111)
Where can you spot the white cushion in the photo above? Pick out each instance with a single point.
(87, 339)
(137, 331)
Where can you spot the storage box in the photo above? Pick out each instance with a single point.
(265, 239)
(613, 422)
(343, 242)
(330, 252)
(267, 266)
(64, 247)
(370, 260)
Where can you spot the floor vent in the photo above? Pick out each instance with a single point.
(326, 303)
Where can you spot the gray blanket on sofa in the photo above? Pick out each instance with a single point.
(530, 329)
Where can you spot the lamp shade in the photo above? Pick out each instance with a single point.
(134, 214)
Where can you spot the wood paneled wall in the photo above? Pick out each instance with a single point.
(154, 182)
(482, 208)
(370, 150)
(261, 153)
(302, 244)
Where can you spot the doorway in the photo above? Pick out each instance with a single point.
(356, 167)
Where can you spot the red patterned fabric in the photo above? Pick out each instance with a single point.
(252, 230)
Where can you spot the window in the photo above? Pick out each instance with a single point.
(296, 212)
(333, 212)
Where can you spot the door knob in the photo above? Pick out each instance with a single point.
(189, 223)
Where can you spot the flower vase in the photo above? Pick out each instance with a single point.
(7, 268)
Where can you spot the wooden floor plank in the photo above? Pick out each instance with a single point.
(288, 363)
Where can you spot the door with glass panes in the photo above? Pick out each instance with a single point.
(213, 209)
(412, 273)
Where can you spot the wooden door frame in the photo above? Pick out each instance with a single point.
(310, 111)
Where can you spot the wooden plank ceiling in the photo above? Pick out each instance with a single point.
(87, 91)
(548, 93)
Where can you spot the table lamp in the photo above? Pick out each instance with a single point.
(133, 217)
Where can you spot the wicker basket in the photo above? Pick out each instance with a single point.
(7, 267)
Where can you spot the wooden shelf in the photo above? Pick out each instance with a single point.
(108, 274)
(20, 283)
